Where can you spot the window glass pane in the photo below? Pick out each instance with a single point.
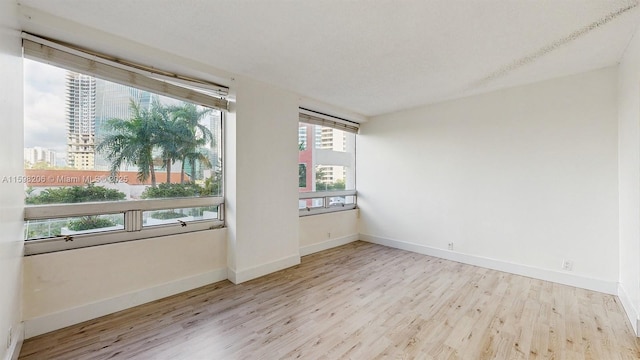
(329, 163)
(38, 229)
(341, 200)
(88, 139)
(302, 138)
(310, 203)
(172, 216)
(334, 201)
(302, 175)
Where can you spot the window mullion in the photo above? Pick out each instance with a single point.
(133, 220)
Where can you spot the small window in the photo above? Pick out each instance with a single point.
(326, 170)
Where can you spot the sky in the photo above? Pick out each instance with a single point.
(44, 106)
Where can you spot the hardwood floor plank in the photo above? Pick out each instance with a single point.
(359, 301)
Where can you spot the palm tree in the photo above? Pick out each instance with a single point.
(198, 155)
(197, 136)
(132, 142)
(171, 137)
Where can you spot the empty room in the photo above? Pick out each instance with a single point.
(468, 179)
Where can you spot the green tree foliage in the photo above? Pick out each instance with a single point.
(172, 191)
(89, 223)
(75, 194)
(40, 165)
(173, 132)
(169, 137)
(327, 186)
(165, 215)
(193, 136)
(132, 141)
(323, 185)
(302, 175)
(213, 185)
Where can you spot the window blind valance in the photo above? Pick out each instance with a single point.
(124, 72)
(317, 118)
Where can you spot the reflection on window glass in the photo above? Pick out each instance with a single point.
(184, 215)
(341, 200)
(88, 139)
(330, 163)
(329, 178)
(334, 201)
(38, 229)
(302, 175)
(310, 203)
(302, 138)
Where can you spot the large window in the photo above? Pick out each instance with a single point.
(326, 163)
(109, 160)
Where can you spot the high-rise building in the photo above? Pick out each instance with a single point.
(37, 154)
(215, 121)
(335, 140)
(113, 101)
(81, 111)
(91, 103)
(326, 158)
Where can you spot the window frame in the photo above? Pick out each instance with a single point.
(315, 118)
(196, 91)
(326, 202)
(133, 226)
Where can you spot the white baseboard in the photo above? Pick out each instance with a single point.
(608, 287)
(240, 276)
(325, 245)
(13, 352)
(632, 312)
(40, 325)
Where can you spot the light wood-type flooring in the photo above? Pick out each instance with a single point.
(360, 301)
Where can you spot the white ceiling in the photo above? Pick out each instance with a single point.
(376, 56)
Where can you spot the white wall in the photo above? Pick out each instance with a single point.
(68, 287)
(324, 231)
(629, 173)
(518, 179)
(11, 195)
(261, 180)
(262, 234)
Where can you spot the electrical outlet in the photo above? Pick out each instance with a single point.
(450, 246)
(328, 235)
(567, 265)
